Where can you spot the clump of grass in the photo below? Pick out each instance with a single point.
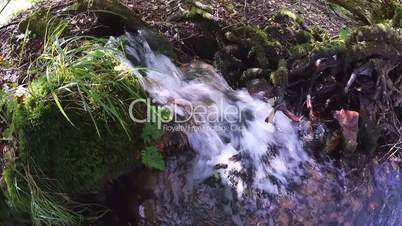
(91, 79)
(28, 196)
(73, 124)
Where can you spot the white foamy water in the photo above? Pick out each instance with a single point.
(229, 131)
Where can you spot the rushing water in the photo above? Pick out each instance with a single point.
(247, 165)
(226, 128)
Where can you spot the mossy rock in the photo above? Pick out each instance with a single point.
(112, 13)
(230, 67)
(116, 19)
(159, 43)
(397, 18)
(370, 12)
(82, 136)
(262, 48)
(42, 22)
(198, 14)
(289, 29)
(389, 12)
(379, 40)
(76, 157)
(280, 76)
(330, 47)
(286, 16)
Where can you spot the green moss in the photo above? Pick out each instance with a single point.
(197, 13)
(304, 36)
(86, 83)
(380, 39)
(96, 143)
(318, 48)
(280, 76)
(397, 18)
(289, 29)
(5, 211)
(371, 12)
(76, 157)
(333, 46)
(320, 34)
(264, 49)
(301, 49)
(286, 14)
(387, 12)
(17, 189)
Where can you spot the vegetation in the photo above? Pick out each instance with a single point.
(69, 132)
(152, 133)
(72, 126)
(44, 207)
(40, 22)
(372, 11)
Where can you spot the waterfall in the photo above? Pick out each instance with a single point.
(241, 138)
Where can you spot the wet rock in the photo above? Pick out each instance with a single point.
(317, 136)
(115, 17)
(173, 143)
(205, 47)
(332, 142)
(220, 166)
(260, 88)
(369, 131)
(203, 71)
(230, 66)
(251, 73)
(159, 43)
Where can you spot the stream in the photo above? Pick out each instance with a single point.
(246, 164)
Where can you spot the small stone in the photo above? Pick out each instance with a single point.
(260, 88)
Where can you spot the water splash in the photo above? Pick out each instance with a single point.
(227, 128)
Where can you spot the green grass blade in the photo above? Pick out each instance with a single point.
(56, 99)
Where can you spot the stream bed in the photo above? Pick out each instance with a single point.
(250, 168)
(326, 196)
